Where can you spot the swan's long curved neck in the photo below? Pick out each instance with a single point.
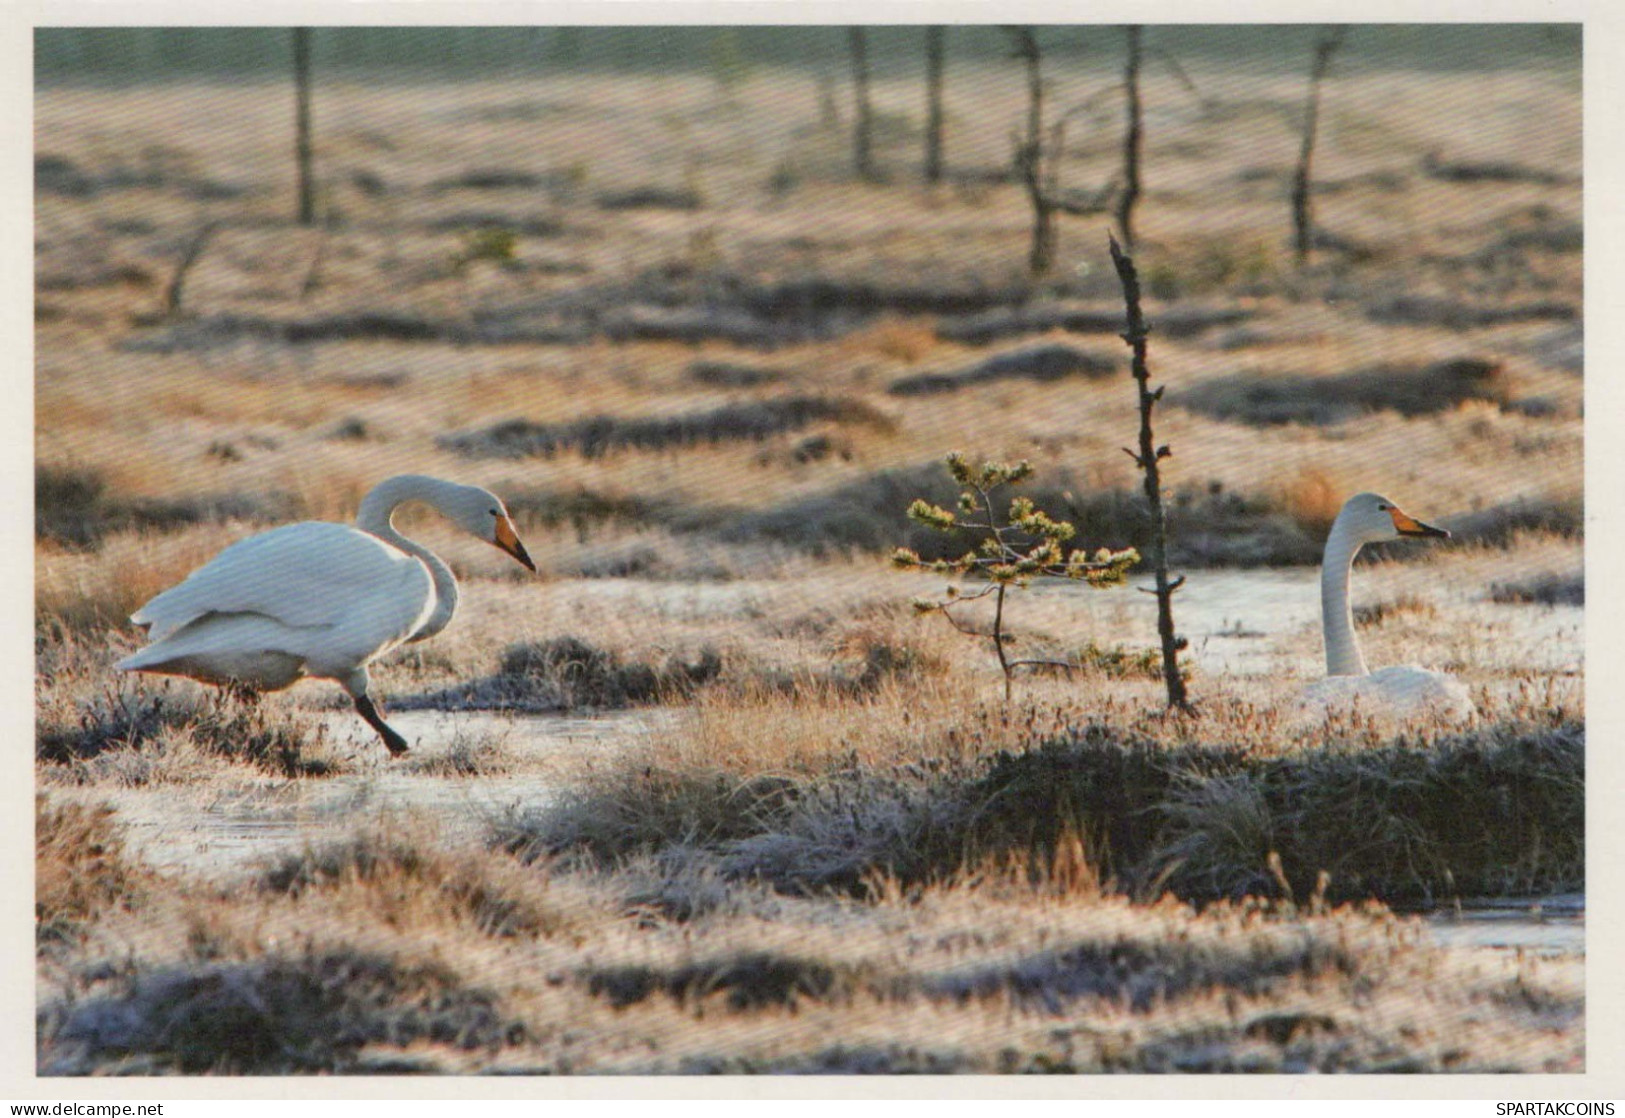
(375, 518)
(1336, 616)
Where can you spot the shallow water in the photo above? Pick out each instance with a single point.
(240, 827)
(1544, 925)
(1230, 616)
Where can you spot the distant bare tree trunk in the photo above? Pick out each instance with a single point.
(1030, 156)
(1132, 140)
(934, 55)
(862, 128)
(301, 83)
(1302, 218)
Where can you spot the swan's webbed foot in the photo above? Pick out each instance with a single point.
(395, 743)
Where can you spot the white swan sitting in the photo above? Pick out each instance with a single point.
(318, 599)
(1400, 692)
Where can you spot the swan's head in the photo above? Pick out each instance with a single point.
(1372, 518)
(481, 513)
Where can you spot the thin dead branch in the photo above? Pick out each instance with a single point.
(1133, 138)
(177, 283)
(1147, 459)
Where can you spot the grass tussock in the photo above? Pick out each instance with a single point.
(137, 735)
(568, 673)
(390, 876)
(1457, 314)
(1494, 811)
(1042, 364)
(206, 333)
(275, 1014)
(80, 869)
(1266, 401)
(740, 983)
(732, 374)
(648, 812)
(1546, 590)
(1501, 525)
(596, 436)
(584, 508)
(651, 198)
(469, 753)
(1492, 171)
(74, 507)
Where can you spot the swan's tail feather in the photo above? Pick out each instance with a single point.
(136, 661)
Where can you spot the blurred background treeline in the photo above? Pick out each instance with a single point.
(80, 55)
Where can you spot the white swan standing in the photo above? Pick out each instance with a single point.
(318, 599)
(1396, 691)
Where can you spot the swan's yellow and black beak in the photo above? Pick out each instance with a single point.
(508, 540)
(1409, 526)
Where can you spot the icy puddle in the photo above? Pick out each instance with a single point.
(1542, 925)
(1234, 619)
(222, 831)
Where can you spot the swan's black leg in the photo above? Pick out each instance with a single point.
(396, 743)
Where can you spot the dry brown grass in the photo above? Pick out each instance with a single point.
(80, 868)
(1314, 499)
(659, 904)
(340, 975)
(93, 592)
(904, 340)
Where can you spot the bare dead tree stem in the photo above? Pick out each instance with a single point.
(1133, 138)
(1147, 459)
(935, 41)
(1030, 155)
(863, 126)
(1302, 215)
(302, 141)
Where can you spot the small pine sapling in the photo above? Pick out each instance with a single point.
(1010, 549)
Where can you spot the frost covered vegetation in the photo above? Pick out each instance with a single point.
(706, 795)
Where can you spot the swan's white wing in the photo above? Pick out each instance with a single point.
(247, 648)
(1419, 690)
(306, 575)
(1400, 692)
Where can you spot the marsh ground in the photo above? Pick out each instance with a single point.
(706, 796)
